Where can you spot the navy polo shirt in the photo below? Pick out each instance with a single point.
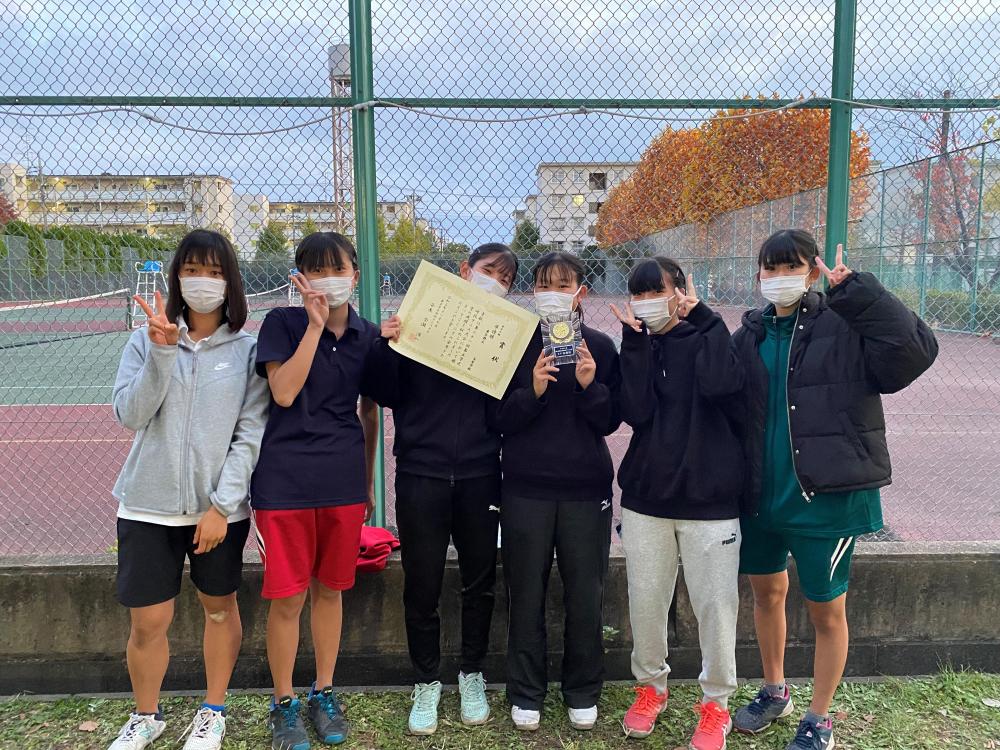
(313, 452)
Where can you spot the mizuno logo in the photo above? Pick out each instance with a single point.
(222, 365)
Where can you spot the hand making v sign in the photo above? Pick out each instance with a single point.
(161, 330)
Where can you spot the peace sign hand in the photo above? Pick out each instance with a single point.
(839, 272)
(628, 317)
(161, 331)
(686, 301)
(316, 305)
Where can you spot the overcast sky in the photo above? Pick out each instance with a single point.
(470, 175)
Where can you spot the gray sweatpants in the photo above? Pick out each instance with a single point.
(710, 551)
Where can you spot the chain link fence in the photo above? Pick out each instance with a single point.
(611, 130)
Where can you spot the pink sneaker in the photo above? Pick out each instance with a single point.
(640, 719)
(713, 726)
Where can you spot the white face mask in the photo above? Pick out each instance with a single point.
(336, 288)
(655, 313)
(784, 291)
(488, 284)
(554, 303)
(202, 294)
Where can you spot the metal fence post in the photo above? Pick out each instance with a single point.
(924, 236)
(842, 88)
(974, 300)
(365, 200)
(881, 226)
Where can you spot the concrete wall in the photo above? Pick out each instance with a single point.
(912, 608)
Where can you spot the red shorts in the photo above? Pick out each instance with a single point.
(299, 545)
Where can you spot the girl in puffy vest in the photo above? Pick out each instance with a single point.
(816, 365)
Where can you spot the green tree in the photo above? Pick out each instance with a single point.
(309, 227)
(272, 242)
(37, 255)
(526, 238)
(381, 235)
(409, 239)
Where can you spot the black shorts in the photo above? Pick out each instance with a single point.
(151, 562)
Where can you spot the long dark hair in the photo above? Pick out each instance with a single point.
(208, 247)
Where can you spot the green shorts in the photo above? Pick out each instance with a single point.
(823, 564)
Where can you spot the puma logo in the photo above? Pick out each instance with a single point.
(222, 365)
(495, 508)
(730, 540)
(605, 504)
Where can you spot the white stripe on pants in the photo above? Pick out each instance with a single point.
(710, 551)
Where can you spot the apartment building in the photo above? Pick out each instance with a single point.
(156, 204)
(567, 198)
(139, 203)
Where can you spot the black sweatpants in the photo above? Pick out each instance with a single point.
(429, 513)
(580, 534)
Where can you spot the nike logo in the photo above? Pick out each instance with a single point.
(222, 365)
(730, 540)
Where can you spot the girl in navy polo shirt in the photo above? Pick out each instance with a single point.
(557, 475)
(312, 489)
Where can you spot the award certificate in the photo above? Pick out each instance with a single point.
(458, 329)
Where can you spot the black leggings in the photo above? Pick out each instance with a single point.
(429, 513)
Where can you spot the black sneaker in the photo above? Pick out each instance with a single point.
(287, 730)
(811, 736)
(762, 712)
(327, 717)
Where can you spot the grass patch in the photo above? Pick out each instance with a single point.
(945, 711)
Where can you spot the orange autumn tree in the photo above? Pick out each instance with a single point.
(692, 175)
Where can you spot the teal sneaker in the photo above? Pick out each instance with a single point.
(475, 707)
(424, 715)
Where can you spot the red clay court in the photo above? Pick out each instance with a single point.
(60, 448)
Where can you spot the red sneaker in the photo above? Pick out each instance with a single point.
(640, 719)
(713, 726)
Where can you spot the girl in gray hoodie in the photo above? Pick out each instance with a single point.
(187, 387)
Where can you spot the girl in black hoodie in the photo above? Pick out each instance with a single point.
(681, 481)
(557, 475)
(447, 488)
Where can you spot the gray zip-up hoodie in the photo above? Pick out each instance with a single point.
(198, 415)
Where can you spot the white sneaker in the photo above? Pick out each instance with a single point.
(525, 720)
(206, 730)
(138, 733)
(583, 718)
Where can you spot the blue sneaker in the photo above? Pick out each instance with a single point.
(475, 707)
(762, 712)
(287, 730)
(424, 715)
(327, 716)
(811, 736)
